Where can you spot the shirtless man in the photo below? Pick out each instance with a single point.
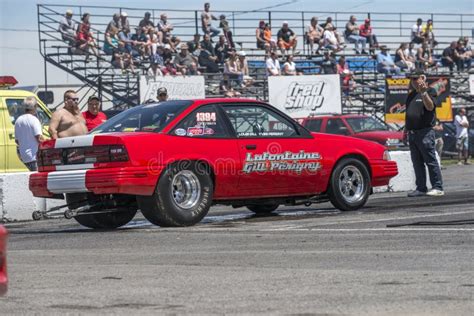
(68, 121)
(206, 18)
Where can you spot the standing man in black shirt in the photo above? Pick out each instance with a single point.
(419, 121)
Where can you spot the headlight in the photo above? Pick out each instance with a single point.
(392, 141)
(386, 155)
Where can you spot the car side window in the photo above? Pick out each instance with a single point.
(314, 125)
(15, 109)
(336, 126)
(258, 121)
(205, 122)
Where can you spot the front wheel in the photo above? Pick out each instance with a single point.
(349, 186)
(182, 196)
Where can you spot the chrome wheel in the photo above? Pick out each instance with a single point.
(351, 184)
(186, 189)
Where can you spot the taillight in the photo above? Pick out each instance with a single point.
(82, 155)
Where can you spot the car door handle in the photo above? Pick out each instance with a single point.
(11, 135)
(251, 147)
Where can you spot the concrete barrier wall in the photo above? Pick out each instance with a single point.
(17, 203)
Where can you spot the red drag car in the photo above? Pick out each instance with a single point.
(3, 261)
(175, 159)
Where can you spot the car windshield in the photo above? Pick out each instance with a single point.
(144, 118)
(366, 124)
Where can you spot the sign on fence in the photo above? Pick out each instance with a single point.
(179, 87)
(396, 91)
(301, 96)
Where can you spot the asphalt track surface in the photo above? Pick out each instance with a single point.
(300, 260)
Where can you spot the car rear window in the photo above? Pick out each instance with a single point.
(144, 118)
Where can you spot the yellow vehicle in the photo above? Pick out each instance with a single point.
(10, 109)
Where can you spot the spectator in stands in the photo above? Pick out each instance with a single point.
(207, 57)
(141, 41)
(93, 116)
(289, 67)
(451, 57)
(267, 35)
(428, 34)
(185, 62)
(464, 54)
(365, 30)
(84, 38)
(195, 44)
(222, 49)
(401, 60)
(153, 40)
(115, 23)
(206, 18)
(224, 25)
(273, 65)
(330, 40)
(154, 71)
(286, 39)
(328, 64)
(111, 40)
(124, 23)
(347, 77)
(226, 90)
(424, 57)
(167, 52)
(122, 59)
(352, 35)
(410, 53)
(248, 81)
(314, 35)
(67, 28)
(260, 37)
(130, 44)
(170, 68)
(417, 32)
(232, 69)
(468, 47)
(385, 63)
(146, 23)
(157, 58)
(165, 28)
(328, 22)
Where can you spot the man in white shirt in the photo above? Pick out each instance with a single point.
(417, 32)
(462, 139)
(273, 65)
(28, 134)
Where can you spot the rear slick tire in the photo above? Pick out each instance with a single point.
(182, 196)
(349, 186)
(111, 220)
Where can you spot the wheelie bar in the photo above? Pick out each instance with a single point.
(55, 212)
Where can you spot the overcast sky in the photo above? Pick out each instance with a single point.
(19, 54)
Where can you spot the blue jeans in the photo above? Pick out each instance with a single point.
(356, 39)
(423, 152)
(211, 30)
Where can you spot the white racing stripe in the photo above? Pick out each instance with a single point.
(76, 141)
(67, 181)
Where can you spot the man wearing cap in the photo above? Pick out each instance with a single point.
(68, 28)
(93, 116)
(365, 30)
(185, 62)
(124, 21)
(28, 134)
(286, 38)
(420, 118)
(162, 94)
(385, 63)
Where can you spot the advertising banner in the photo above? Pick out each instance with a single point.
(396, 91)
(301, 96)
(179, 87)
